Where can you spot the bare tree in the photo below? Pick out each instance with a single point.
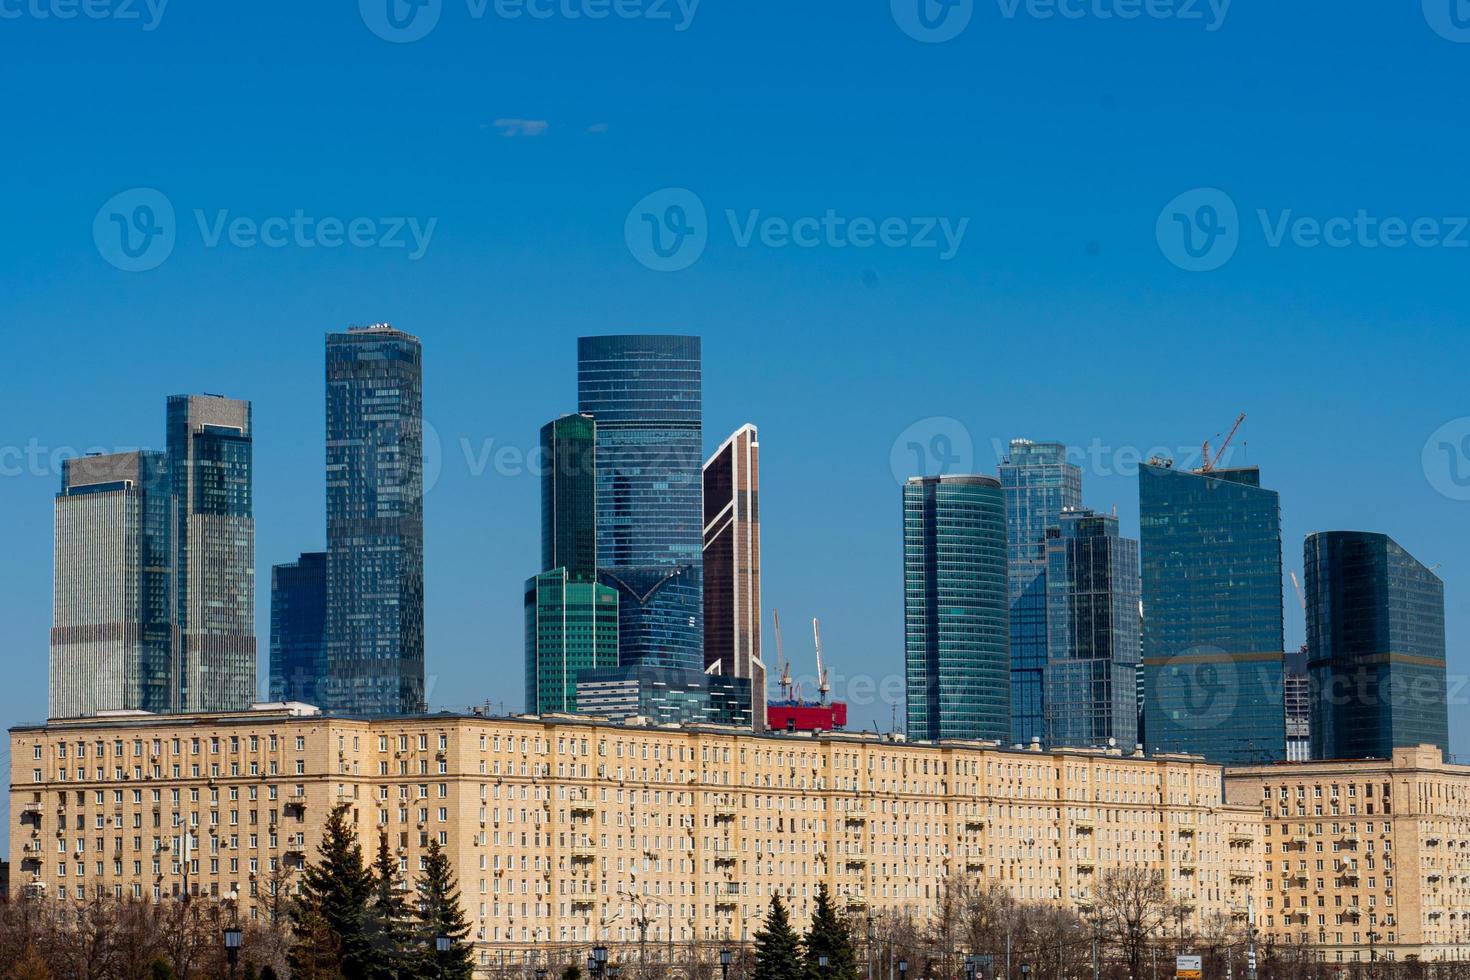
(1132, 903)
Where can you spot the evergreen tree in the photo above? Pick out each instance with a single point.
(829, 936)
(439, 914)
(335, 892)
(315, 954)
(777, 946)
(390, 921)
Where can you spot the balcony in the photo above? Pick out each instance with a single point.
(1186, 831)
(855, 859)
(724, 859)
(974, 823)
(856, 903)
(724, 813)
(584, 853)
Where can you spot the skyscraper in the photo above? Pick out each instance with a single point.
(1298, 697)
(1213, 641)
(299, 629)
(210, 464)
(956, 617)
(732, 565)
(645, 394)
(1375, 647)
(571, 619)
(1039, 484)
(1092, 633)
(111, 635)
(375, 522)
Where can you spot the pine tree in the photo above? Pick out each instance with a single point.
(390, 925)
(439, 914)
(335, 892)
(777, 946)
(829, 936)
(315, 954)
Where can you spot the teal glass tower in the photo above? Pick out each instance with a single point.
(645, 393)
(1213, 639)
(1375, 647)
(571, 619)
(956, 616)
(1039, 485)
(1092, 633)
(375, 523)
(299, 629)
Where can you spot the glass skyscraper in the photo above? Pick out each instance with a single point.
(210, 464)
(956, 616)
(732, 565)
(644, 392)
(1213, 643)
(375, 522)
(299, 629)
(112, 635)
(1375, 647)
(1092, 633)
(571, 619)
(1039, 484)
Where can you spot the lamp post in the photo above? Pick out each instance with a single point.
(903, 969)
(598, 963)
(233, 939)
(724, 964)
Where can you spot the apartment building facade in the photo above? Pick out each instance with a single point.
(566, 831)
(1363, 860)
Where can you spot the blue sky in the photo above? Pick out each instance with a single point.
(1060, 146)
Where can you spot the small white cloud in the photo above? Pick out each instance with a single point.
(597, 128)
(521, 127)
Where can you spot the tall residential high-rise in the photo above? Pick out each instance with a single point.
(111, 634)
(956, 618)
(1039, 484)
(1092, 633)
(646, 397)
(732, 565)
(210, 464)
(1213, 636)
(299, 629)
(1375, 647)
(375, 522)
(571, 619)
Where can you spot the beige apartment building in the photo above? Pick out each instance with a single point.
(1363, 860)
(566, 831)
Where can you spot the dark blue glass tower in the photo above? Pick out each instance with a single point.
(375, 522)
(211, 477)
(1039, 484)
(298, 629)
(644, 392)
(1375, 647)
(956, 620)
(1092, 633)
(1213, 644)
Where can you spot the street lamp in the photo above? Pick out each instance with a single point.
(599, 960)
(903, 969)
(233, 939)
(613, 971)
(724, 964)
(540, 973)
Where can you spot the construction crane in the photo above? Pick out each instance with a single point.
(823, 688)
(1206, 463)
(785, 665)
(1301, 595)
